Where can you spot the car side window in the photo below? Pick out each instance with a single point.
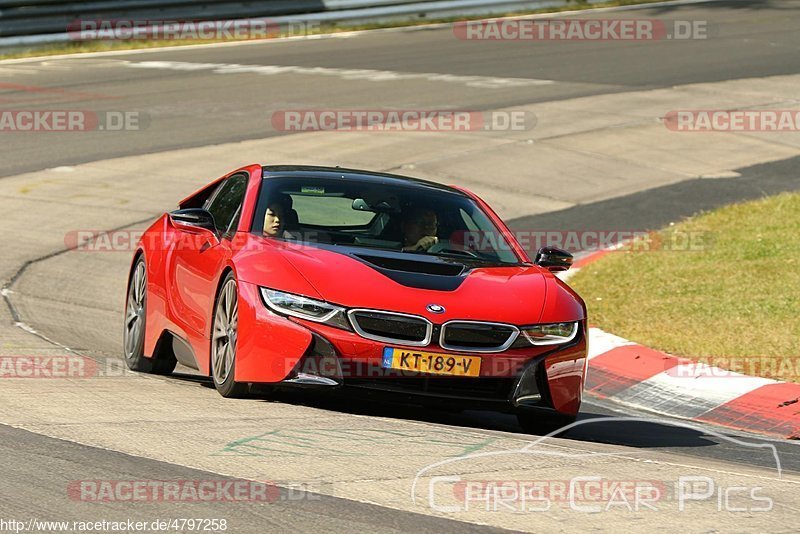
(226, 203)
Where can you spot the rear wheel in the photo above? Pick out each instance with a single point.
(135, 319)
(223, 340)
(541, 424)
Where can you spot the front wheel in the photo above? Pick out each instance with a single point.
(223, 340)
(542, 424)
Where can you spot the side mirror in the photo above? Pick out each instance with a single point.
(193, 219)
(553, 259)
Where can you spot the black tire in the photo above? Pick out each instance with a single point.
(224, 333)
(543, 423)
(135, 325)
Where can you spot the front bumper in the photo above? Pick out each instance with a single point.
(279, 350)
(539, 378)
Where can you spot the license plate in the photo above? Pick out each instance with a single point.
(430, 362)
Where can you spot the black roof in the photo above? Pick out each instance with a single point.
(309, 171)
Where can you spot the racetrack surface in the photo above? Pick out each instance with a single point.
(203, 123)
(746, 39)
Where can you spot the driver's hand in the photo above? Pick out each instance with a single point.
(425, 242)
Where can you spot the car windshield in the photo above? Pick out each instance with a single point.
(413, 218)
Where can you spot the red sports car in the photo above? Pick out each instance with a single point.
(327, 277)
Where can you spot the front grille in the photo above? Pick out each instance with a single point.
(477, 336)
(391, 327)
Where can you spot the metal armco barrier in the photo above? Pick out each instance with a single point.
(28, 22)
(27, 17)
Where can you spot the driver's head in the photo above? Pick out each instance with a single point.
(418, 223)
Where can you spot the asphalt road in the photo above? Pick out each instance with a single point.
(187, 108)
(37, 469)
(658, 207)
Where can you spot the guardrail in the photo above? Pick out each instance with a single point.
(19, 17)
(30, 22)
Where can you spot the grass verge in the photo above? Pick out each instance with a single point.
(77, 47)
(731, 300)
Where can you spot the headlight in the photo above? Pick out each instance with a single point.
(550, 334)
(304, 308)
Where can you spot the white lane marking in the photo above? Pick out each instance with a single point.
(601, 342)
(29, 329)
(486, 82)
(690, 380)
(10, 71)
(713, 387)
(565, 276)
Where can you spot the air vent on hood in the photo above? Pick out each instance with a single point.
(414, 266)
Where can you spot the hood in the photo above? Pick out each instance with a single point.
(357, 277)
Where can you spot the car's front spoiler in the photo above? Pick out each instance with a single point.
(549, 381)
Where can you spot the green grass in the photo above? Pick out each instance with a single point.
(733, 303)
(77, 47)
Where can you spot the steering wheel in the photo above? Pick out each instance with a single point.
(452, 248)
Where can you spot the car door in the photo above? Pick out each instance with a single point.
(196, 262)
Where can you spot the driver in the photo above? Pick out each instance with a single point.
(419, 230)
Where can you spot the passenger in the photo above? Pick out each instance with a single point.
(419, 230)
(277, 216)
(274, 220)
